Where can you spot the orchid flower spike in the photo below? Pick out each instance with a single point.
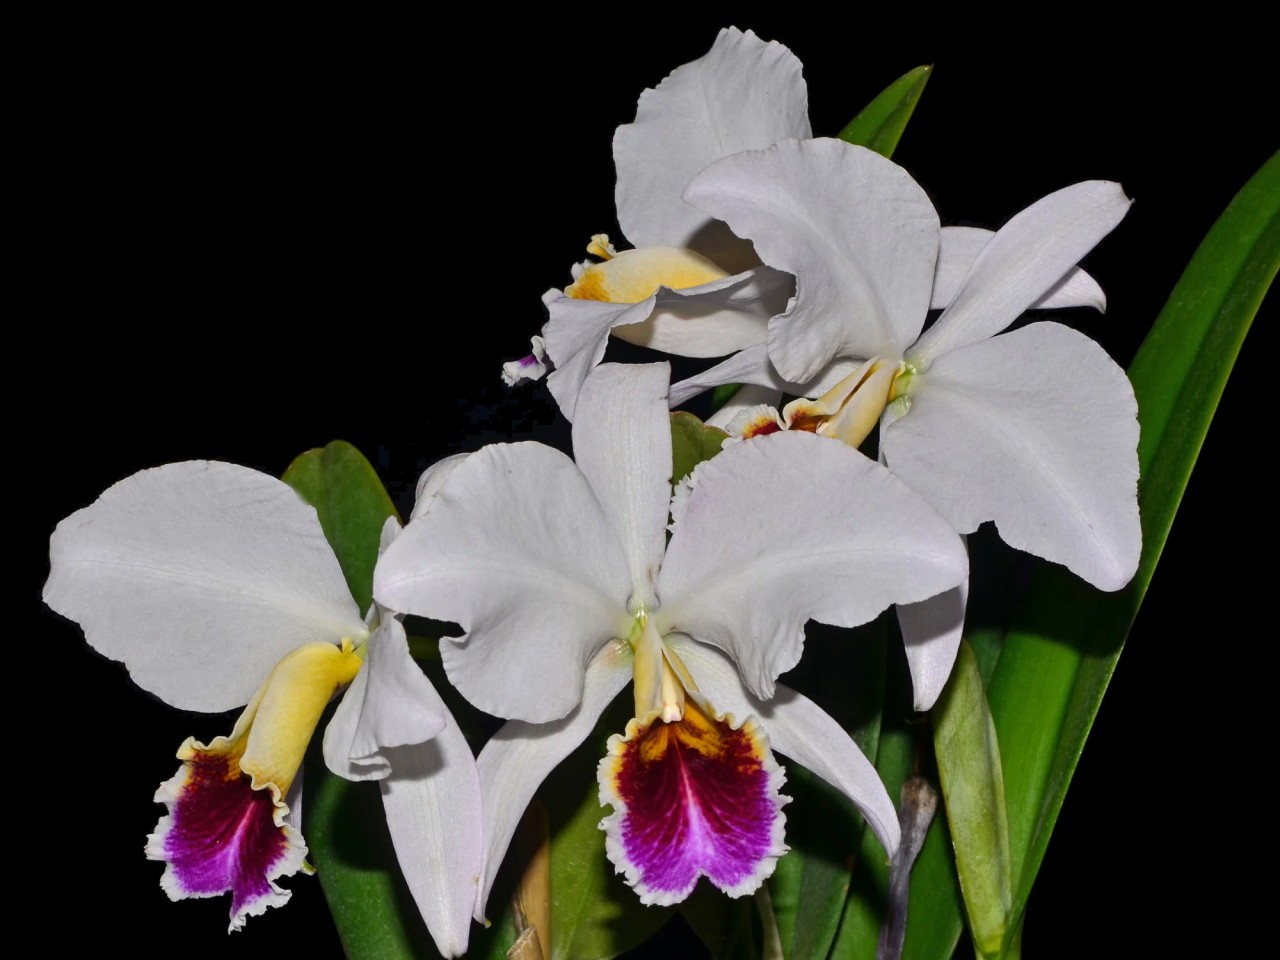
(566, 587)
(690, 287)
(1035, 429)
(216, 586)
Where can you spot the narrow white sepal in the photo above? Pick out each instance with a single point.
(960, 247)
(931, 632)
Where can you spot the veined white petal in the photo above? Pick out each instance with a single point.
(743, 94)
(798, 728)
(517, 549)
(1036, 430)
(860, 236)
(622, 444)
(790, 527)
(931, 631)
(199, 576)
(1026, 259)
(518, 758)
(961, 246)
(391, 703)
(435, 816)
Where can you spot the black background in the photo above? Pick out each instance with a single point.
(248, 238)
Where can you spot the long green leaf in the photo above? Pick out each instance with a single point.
(353, 505)
(344, 824)
(1057, 661)
(969, 768)
(880, 124)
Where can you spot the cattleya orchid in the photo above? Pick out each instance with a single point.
(211, 581)
(560, 574)
(689, 287)
(1035, 429)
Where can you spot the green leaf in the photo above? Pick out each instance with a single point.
(346, 832)
(723, 394)
(692, 441)
(729, 928)
(880, 124)
(964, 739)
(353, 505)
(594, 914)
(345, 827)
(1056, 662)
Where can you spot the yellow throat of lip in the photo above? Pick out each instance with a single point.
(633, 275)
(660, 679)
(850, 410)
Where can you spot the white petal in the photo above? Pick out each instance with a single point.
(698, 114)
(714, 319)
(749, 398)
(516, 549)
(790, 527)
(1036, 430)
(435, 815)
(430, 482)
(391, 703)
(709, 320)
(961, 246)
(752, 366)
(798, 728)
(622, 444)
(199, 576)
(1026, 259)
(518, 758)
(860, 236)
(931, 631)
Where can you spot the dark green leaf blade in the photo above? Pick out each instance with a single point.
(1056, 663)
(353, 505)
(880, 125)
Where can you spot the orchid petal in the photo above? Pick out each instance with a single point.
(750, 398)
(435, 816)
(960, 247)
(516, 549)
(391, 703)
(429, 485)
(519, 757)
(931, 631)
(797, 728)
(199, 576)
(860, 236)
(697, 115)
(788, 527)
(705, 321)
(1037, 430)
(752, 366)
(622, 444)
(1026, 259)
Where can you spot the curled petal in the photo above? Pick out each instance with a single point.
(429, 485)
(517, 549)
(199, 576)
(752, 366)
(859, 235)
(1038, 431)
(391, 703)
(789, 527)
(697, 115)
(698, 796)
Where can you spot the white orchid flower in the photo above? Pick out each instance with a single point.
(689, 287)
(561, 577)
(1035, 429)
(212, 581)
